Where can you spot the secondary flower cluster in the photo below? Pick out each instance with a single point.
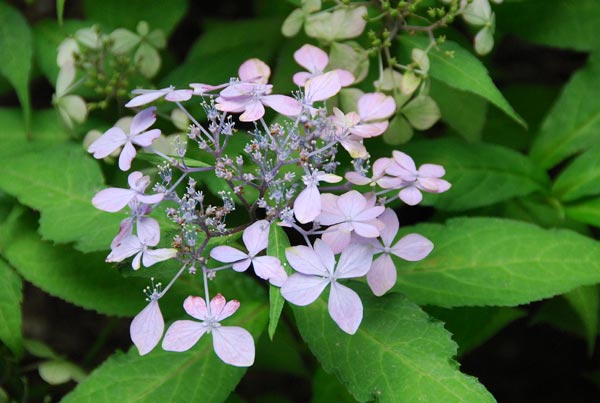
(277, 178)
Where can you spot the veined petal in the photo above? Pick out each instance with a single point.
(375, 106)
(330, 213)
(345, 307)
(153, 256)
(113, 199)
(148, 230)
(412, 247)
(127, 155)
(325, 254)
(182, 335)
(351, 203)
(234, 345)
(390, 220)
(147, 328)
(143, 120)
(254, 111)
(269, 268)
(146, 139)
(111, 140)
(355, 261)
(196, 307)
(403, 163)
(322, 87)
(369, 213)
(305, 260)
(382, 276)
(256, 237)
(307, 205)
(283, 104)
(300, 289)
(227, 254)
(311, 58)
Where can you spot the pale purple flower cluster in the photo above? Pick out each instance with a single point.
(291, 171)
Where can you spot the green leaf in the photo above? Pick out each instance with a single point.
(60, 181)
(82, 279)
(461, 110)
(463, 71)
(587, 211)
(558, 23)
(398, 353)
(581, 178)
(326, 389)
(16, 50)
(573, 123)
(493, 261)
(163, 14)
(161, 376)
(473, 326)
(278, 241)
(480, 174)
(585, 301)
(10, 308)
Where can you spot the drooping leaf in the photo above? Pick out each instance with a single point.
(585, 301)
(16, 50)
(458, 68)
(397, 355)
(60, 181)
(481, 174)
(278, 241)
(10, 308)
(573, 123)
(581, 178)
(494, 261)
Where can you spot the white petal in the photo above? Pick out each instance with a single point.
(269, 268)
(307, 205)
(300, 289)
(382, 275)
(153, 256)
(234, 345)
(345, 308)
(390, 220)
(355, 261)
(305, 260)
(147, 328)
(113, 199)
(196, 307)
(256, 237)
(412, 247)
(227, 254)
(182, 335)
(129, 246)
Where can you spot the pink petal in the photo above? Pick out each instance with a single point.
(431, 170)
(285, 105)
(200, 89)
(380, 165)
(410, 196)
(412, 247)
(403, 164)
(375, 106)
(147, 328)
(301, 78)
(322, 87)
(256, 237)
(196, 307)
(269, 268)
(351, 203)
(146, 98)
(254, 111)
(346, 78)
(129, 246)
(382, 276)
(388, 182)
(153, 256)
(113, 199)
(307, 205)
(148, 230)
(220, 310)
(233, 105)
(369, 129)
(357, 179)
(112, 139)
(355, 261)
(330, 213)
(254, 70)
(182, 335)
(369, 213)
(390, 220)
(127, 155)
(227, 254)
(336, 239)
(146, 139)
(300, 289)
(143, 120)
(234, 345)
(354, 146)
(345, 307)
(305, 260)
(179, 95)
(311, 58)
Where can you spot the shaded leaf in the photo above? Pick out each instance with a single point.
(10, 308)
(581, 178)
(278, 241)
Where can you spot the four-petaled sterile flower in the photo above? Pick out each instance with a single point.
(169, 93)
(148, 326)
(146, 227)
(320, 88)
(378, 178)
(373, 109)
(232, 344)
(140, 247)
(114, 199)
(316, 269)
(315, 60)
(115, 137)
(307, 205)
(426, 178)
(347, 213)
(412, 247)
(256, 238)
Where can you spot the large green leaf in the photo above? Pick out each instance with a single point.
(10, 308)
(569, 24)
(163, 14)
(16, 50)
(461, 70)
(398, 353)
(60, 181)
(493, 261)
(481, 174)
(278, 241)
(573, 123)
(581, 178)
(197, 375)
(585, 301)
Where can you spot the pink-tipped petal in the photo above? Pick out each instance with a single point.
(412, 247)
(269, 268)
(234, 345)
(255, 71)
(345, 308)
(410, 195)
(221, 310)
(355, 261)
(311, 58)
(283, 104)
(146, 98)
(227, 254)
(153, 256)
(113, 199)
(256, 237)
(143, 120)
(382, 276)
(254, 111)
(322, 87)
(147, 328)
(305, 260)
(303, 290)
(146, 139)
(375, 106)
(179, 95)
(106, 144)
(217, 303)
(183, 335)
(390, 220)
(307, 205)
(127, 155)
(196, 307)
